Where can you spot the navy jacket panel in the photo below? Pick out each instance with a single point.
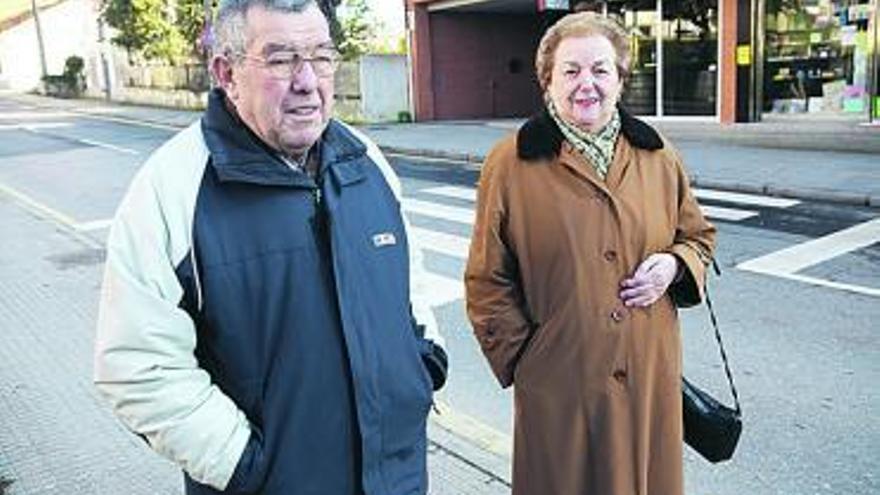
(303, 319)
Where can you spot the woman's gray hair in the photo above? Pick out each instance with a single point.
(229, 27)
(581, 24)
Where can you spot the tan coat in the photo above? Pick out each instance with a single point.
(597, 385)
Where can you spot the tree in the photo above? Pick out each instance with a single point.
(358, 29)
(146, 27)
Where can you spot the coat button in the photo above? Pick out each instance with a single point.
(619, 375)
(617, 315)
(610, 255)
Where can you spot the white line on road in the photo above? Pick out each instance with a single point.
(858, 289)
(472, 429)
(34, 126)
(94, 225)
(441, 242)
(90, 142)
(437, 210)
(717, 212)
(443, 289)
(453, 192)
(800, 256)
(730, 214)
(746, 199)
(49, 213)
(786, 262)
(108, 146)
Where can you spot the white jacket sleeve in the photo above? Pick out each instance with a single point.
(144, 350)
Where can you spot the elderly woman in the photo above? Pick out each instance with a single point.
(587, 237)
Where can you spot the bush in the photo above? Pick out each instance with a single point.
(71, 83)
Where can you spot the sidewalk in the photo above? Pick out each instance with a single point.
(57, 435)
(826, 158)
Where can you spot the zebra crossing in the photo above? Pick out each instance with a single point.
(434, 203)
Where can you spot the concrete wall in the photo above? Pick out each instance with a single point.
(384, 87)
(69, 28)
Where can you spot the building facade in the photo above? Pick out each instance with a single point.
(725, 60)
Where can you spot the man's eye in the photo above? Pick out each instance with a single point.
(278, 61)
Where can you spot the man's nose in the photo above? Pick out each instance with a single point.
(305, 80)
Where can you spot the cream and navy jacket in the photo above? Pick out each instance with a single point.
(257, 326)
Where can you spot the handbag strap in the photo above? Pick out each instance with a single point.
(718, 338)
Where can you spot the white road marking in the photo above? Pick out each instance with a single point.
(730, 214)
(746, 199)
(800, 256)
(453, 192)
(34, 127)
(100, 144)
(441, 242)
(49, 213)
(420, 158)
(437, 210)
(94, 225)
(786, 262)
(444, 289)
(716, 212)
(34, 115)
(472, 429)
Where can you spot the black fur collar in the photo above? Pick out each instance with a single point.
(540, 137)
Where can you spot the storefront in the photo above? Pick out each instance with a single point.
(821, 57)
(725, 60)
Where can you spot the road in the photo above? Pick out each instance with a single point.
(798, 303)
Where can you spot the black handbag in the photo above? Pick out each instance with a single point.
(711, 428)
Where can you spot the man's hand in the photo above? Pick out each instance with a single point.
(650, 280)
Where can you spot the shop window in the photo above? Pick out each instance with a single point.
(817, 56)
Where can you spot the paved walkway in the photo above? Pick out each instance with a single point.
(826, 158)
(57, 436)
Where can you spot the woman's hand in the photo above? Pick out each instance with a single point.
(650, 280)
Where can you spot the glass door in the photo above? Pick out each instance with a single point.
(690, 57)
(640, 95)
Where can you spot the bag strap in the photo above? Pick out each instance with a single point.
(714, 321)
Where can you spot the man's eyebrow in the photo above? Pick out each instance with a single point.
(271, 47)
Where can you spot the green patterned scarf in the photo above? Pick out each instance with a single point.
(598, 149)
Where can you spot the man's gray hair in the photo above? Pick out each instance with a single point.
(229, 27)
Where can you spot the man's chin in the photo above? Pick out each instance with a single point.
(301, 140)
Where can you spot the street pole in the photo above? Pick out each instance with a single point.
(42, 48)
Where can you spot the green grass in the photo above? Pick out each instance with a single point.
(13, 8)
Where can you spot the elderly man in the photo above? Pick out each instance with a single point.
(256, 325)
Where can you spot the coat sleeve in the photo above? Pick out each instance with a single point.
(694, 244)
(494, 296)
(144, 362)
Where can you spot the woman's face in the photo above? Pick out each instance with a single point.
(585, 83)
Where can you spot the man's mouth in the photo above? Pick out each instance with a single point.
(303, 110)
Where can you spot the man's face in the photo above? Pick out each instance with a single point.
(287, 109)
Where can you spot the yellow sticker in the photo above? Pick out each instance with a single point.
(744, 55)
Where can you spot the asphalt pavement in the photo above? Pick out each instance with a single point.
(832, 158)
(65, 441)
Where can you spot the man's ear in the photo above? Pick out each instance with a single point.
(222, 70)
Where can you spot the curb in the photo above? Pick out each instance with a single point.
(805, 194)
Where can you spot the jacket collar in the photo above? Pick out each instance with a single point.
(238, 155)
(540, 137)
